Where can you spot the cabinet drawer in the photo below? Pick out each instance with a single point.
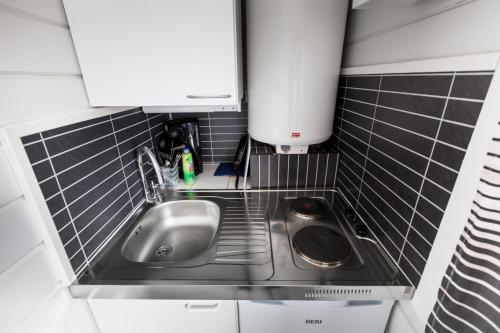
(317, 317)
(161, 316)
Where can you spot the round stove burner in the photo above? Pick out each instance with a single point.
(321, 246)
(307, 208)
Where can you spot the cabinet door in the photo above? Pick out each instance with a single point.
(162, 316)
(156, 52)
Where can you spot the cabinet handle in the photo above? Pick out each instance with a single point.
(208, 96)
(209, 306)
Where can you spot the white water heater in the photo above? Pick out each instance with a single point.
(294, 54)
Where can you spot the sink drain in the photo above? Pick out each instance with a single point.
(163, 251)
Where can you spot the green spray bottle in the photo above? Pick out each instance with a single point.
(188, 166)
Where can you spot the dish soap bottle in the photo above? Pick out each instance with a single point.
(188, 166)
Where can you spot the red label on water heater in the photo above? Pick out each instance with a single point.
(295, 134)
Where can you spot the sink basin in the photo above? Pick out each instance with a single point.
(173, 232)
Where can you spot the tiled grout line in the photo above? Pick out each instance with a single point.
(86, 257)
(357, 163)
(422, 95)
(101, 198)
(394, 210)
(340, 133)
(278, 176)
(79, 146)
(121, 161)
(140, 190)
(126, 115)
(210, 135)
(307, 172)
(298, 172)
(403, 165)
(269, 172)
(91, 173)
(412, 113)
(67, 132)
(378, 240)
(408, 168)
(403, 147)
(326, 170)
(151, 133)
(83, 161)
(94, 187)
(111, 235)
(369, 142)
(235, 141)
(135, 136)
(91, 190)
(347, 178)
(413, 190)
(287, 169)
(402, 129)
(428, 163)
(129, 163)
(65, 203)
(130, 126)
(347, 189)
(425, 219)
(374, 220)
(82, 266)
(222, 126)
(259, 172)
(380, 182)
(110, 219)
(74, 255)
(316, 176)
(135, 147)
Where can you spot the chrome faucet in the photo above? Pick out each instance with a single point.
(152, 191)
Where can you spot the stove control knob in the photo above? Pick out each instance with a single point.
(361, 230)
(350, 214)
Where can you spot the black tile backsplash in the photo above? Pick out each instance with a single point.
(317, 169)
(220, 132)
(88, 176)
(402, 140)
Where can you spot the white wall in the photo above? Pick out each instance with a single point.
(39, 72)
(39, 79)
(384, 34)
(31, 295)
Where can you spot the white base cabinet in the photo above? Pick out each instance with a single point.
(162, 316)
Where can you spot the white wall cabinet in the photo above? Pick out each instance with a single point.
(161, 316)
(159, 53)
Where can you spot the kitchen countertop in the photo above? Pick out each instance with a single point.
(274, 273)
(207, 181)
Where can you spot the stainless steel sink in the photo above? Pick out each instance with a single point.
(173, 232)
